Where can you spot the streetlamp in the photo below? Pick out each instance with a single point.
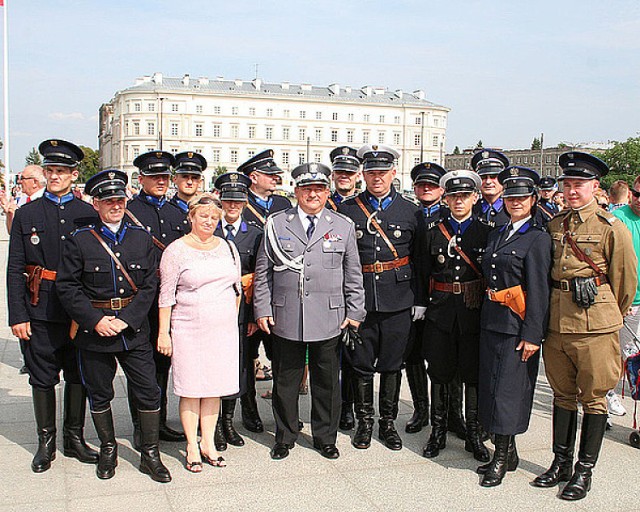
(422, 136)
(161, 99)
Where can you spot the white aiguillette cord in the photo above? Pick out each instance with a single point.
(287, 262)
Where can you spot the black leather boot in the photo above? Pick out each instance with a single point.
(228, 408)
(498, 465)
(364, 412)
(75, 406)
(512, 459)
(419, 387)
(347, 418)
(456, 423)
(44, 407)
(591, 436)
(389, 396)
(166, 433)
(103, 421)
(249, 408)
(474, 442)
(150, 463)
(564, 440)
(136, 439)
(438, 438)
(218, 436)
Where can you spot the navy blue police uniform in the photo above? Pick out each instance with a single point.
(187, 162)
(489, 162)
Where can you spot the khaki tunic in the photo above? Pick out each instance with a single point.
(582, 353)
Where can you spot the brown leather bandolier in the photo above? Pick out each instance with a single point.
(35, 274)
(333, 204)
(548, 214)
(261, 218)
(247, 287)
(600, 277)
(135, 220)
(514, 298)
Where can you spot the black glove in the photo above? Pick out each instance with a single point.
(584, 291)
(350, 337)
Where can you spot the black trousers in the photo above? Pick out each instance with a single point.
(324, 366)
(450, 353)
(385, 337)
(47, 353)
(98, 370)
(415, 351)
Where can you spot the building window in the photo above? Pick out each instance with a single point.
(436, 121)
(151, 128)
(417, 139)
(525, 160)
(285, 158)
(286, 113)
(251, 153)
(268, 132)
(302, 134)
(198, 109)
(215, 155)
(233, 156)
(435, 140)
(234, 112)
(216, 130)
(548, 159)
(198, 130)
(350, 117)
(269, 112)
(235, 131)
(151, 107)
(303, 114)
(217, 110)
(419, 120)
(174, 107)
(252, 111)
(317, 157)
(396, 138)
(318, 116)
(349, 135)
(365, 137)
(334, 116)
(285, 133)
(173, 150)
(136, 151)
(381, 119)
(334, 135)
(380, 137)
(300, 158)
(318, 134)
(174, 129)
(416, 160)
(136, 128)
(396, 119)
(533, 159)
(365, 118)
(137, 107)
(252, 132)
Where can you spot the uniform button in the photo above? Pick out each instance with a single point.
(494, 277)
(309, 250)
(459, 238)
(377, 277)
(566, 257)
(306, 294)
(493, 265)
(137, 266)
(63, 237)
(161, 221)
(457, 268)
(121, 290)
(61, 221)
(564, 268)
(377, 248)
(378, 235)
(306, 278)
(457, 257)
(120, 278)
(117, 267)
(494, 255)
(457, 278)
(62, 207)
(164, 235)
(308, 264)
(33, 230)
(148, 228)
(97, 269)
(118, 254)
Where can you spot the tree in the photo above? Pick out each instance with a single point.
(33, 158)
(536, 144)
(623, 160)
(479, 145)
(219, 170)
(90, 164)
(456, 150)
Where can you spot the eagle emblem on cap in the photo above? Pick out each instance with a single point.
(374, 147)
(454, 173)
(233, 177)
(190, 154)
(570, 155)
(345, 151)
(54, 143)
(427, 166)
(111, 175)
(313, 168)
(485, 154)
(158, 154)
(514, 172)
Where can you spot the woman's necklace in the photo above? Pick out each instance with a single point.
(197, 240)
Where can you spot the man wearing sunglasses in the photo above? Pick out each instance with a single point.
(32, 183)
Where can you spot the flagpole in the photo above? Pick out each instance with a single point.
(7, 166)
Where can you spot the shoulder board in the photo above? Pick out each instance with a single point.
(608, 216)
(130, 225)
(434, 223)
(83, 229)
(253, 223)
(277, 214)
(341, 216)
(486, 222)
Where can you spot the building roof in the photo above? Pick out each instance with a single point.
(333, 92)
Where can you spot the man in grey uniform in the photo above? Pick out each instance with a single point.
(308, 287)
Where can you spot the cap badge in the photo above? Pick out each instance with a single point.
(454, 173)
(514, 172)
(54, 143)
(456, 181)
(485, 154)
(313, 168)
(158, 154)
(427, 166)
(233, 177)
(345, 151)
(111, 175)
(374, 147)
(190, 154)
(570, 155)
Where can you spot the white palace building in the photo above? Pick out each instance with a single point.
(228, 121)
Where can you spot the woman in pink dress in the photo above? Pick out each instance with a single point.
(199, 299)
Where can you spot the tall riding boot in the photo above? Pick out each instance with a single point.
(498, 465)
(150, 463)
(456, 422)
(44, 406)
(103, 421)
(364, 411)
(564, 440)
(438, 438)
(347, 419)
(75, 406)
(419, 386)
(593, 428)
(389, 396)
(512, 459)
(231, 436)
(249, 408)
(136, 439)
(166, 433)
(474, 442)
(218, 436)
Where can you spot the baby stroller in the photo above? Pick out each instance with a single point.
(631, 353)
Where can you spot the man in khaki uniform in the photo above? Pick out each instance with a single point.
(593, 284)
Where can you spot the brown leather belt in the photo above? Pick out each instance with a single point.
(455, 288)
(43, 273)
(565, 284)
(113, 304)
(381, 266)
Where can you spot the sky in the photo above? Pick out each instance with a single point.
(509, 70)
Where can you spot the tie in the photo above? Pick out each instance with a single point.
(312, 226)
(230, 235)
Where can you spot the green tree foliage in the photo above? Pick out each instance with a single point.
(536, 144)
(33, 158)
(456, 150)
(89, 165)
(623, 160)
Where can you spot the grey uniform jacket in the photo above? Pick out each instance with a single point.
(310, 308)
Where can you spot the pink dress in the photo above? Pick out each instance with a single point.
(198, 285)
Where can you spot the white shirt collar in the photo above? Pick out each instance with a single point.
(236, 225)
(303, 218)
(517, 225)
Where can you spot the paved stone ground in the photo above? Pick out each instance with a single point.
(374, 479)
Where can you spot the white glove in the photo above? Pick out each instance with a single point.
(417, 313)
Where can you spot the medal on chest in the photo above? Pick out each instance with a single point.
(35, 239)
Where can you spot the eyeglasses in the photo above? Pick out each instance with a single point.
(22, 178)
(635, 193)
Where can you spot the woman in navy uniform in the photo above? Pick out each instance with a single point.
(107, 284)
(246, 236)
(36, 316)
(514, 321)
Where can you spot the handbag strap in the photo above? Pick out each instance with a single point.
(460, 251)
(122, 268)
(380, 231)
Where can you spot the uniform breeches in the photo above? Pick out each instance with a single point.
(98, 370)
(582, 368)
(415, 351)
(451, 353)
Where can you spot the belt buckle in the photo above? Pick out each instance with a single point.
(564, 285)
(115, 304)
(378, 267)
(457, 288)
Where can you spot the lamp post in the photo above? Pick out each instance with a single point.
(422, 136)
(161, 99)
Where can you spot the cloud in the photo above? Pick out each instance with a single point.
(61, 116)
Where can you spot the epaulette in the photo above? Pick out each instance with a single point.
(411, 199)
(435, 223)
(608, 216)
(342, 216)
(253, 223)
(82, 229)
(486, 222)
(130, 225)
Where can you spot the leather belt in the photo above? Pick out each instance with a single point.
(455, 288)
(381, 266)
(43, 273)
(565, 284)
(113, 304)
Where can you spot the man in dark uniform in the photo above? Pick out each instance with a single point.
(107, 284)
(488, 163)
(265, 176)
(151, 210)
(449, 267)
(386, 228)
(36, 316)
(345, 175)
(246, 236)
(547, 208)
(188, 168)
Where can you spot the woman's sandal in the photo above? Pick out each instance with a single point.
(193, 467)
(217, 463)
